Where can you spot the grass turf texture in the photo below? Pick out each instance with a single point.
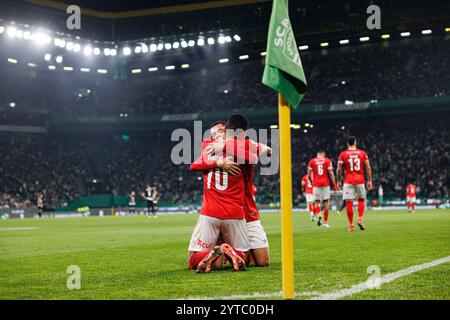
(141, 258)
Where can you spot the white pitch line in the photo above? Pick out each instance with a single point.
(253, 296)
(385, 279)
(18, 229)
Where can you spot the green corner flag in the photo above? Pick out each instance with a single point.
(283, 71)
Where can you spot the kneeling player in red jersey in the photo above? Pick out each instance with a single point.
(222, 209)
(353, 161)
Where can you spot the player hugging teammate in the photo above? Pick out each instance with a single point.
(228, 228)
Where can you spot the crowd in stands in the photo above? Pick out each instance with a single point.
(61, 168)
(407, 68)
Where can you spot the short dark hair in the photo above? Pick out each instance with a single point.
(215, 123)
(237, 121)
(321, 151)
(351, 140)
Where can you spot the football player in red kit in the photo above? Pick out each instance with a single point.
(411, 197)
(352, 163)
(319, 168)
(222, 212)
(307, 188)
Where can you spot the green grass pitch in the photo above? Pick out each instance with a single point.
(141, 258)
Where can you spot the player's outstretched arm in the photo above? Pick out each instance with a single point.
(369, 174)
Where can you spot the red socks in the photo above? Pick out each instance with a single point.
(413, 205)
(316, 209)
(311, 207)
(361, 206)
(349, 206)
(195, 258)
(325, 216)
(408, 205)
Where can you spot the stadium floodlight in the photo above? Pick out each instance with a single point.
(152, 69)
(211, 41)
(144, 48)
(446, 29)
(224, 60)
(107, 52)
(11, 32)
(13, 61)
(59, 43)
(97, 51)
(184, 44)
(76, 47)
(185, 66)
(428, 31)
(69, 46)
(47, 57)
(311, 126)
(324, 44)
(263, 54)
(42, 38)
(305, 131)
(343, 128)
(201, 42)
(273, 126)
(225, 91)
(344, 41)
(176, 45)
(113, 52)
(385, 36)
(167, 46)
(2, 29)
(244, 57)
(221, 39)
(170, 68)
(12, 104)
(19, 34)
(51, 67)
(85, 69)
(295, 126)
(304, 47)
(59, 59)
(160, 46)
(136, 71)
(307, 124)
(364, 39)
(138, 49)
(405, 34)
(191, 43)
(87, 50)
(32, 65)
(227, 39)
(127, 51)
(153, 47)
(102, 71)
(27, 35)
(68, 69)
(348, 102)
(237, 37)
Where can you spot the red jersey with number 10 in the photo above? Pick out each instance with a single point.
(308, 185)
(353, 161)
(320, 167)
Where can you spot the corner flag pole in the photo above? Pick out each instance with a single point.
(287, 249)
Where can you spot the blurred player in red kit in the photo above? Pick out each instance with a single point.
(352, 163)
(411, 197)
(307, 188)
(319, 168)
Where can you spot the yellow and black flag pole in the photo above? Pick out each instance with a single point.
(283, 72)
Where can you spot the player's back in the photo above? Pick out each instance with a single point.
(353, 161)
(308, 185)
(320, 167)
(223, 194)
